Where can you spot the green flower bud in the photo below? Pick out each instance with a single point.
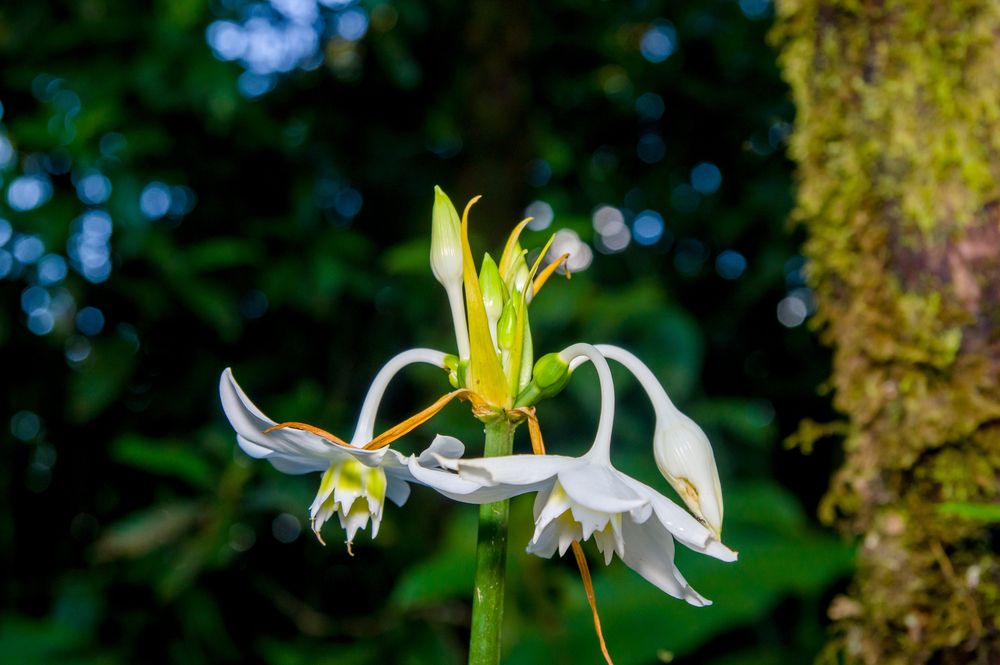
(550, 370)
(494, 291)
(507, 325)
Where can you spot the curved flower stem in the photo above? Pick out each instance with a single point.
(574, 355)
(366, 421)
(491, 559)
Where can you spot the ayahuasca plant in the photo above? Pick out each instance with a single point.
(495, 372)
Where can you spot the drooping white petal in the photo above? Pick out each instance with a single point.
(649, 551)
(682, 525)
(304, 448)
(397, 490)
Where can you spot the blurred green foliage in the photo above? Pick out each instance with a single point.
(135, 531)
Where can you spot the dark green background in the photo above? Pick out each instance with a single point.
(133, 530)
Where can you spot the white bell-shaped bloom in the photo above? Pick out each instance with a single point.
(580, 497)
(356, 481)
(681, 449)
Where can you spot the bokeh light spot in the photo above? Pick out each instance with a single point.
(567, 241)
(41, 322)
(651, 148)
(648, 227)
(286, 528)
(792, 311)
(659, 42)
(691, 255)
(706, 178)
(93, 188)
(730, 264)
(25, 425)
(28, 192)
(154, 202)
(650, 106)
(90, 321)
(28, 249)
(541, 214)
(51, 269)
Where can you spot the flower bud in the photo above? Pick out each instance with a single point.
(446, 241)
(507, 325)
(684, 457)
(494, 292)
(550, 370)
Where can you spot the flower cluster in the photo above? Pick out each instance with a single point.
(576, 498)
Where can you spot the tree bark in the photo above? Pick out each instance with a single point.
(897, 145)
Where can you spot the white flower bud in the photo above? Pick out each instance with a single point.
(446, 241)
(685, 458)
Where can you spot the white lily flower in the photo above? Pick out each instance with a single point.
(681, 449)
(580, 497)
(356, 480)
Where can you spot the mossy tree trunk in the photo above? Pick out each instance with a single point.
(897, 143)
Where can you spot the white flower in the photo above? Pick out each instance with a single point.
(356, 481)
(682, 451)
(583, 497)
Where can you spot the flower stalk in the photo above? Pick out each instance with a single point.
(491, 559)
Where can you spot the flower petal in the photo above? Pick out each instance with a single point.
(397, 490)
(683, 526)
(515, 469)
(466, 490)
(649, 551)
(444, 446)
(250, 422)
(599, 487)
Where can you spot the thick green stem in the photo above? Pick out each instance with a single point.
(491, 560)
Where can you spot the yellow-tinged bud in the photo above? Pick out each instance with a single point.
(446, 241)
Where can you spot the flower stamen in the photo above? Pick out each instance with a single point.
(545, 274)
(417, 419)
(332, 438)
(588, 586)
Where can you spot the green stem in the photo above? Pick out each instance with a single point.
(491, 560)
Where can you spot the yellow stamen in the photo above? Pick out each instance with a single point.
(408, 425)
(545, 274)
(588, 586)
(506, 259)
(310, 428)
(534, 431)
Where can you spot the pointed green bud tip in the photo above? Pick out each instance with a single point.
(492, 286)
(446, 241)
(507, 326)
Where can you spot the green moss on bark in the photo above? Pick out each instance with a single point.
(897, 143)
